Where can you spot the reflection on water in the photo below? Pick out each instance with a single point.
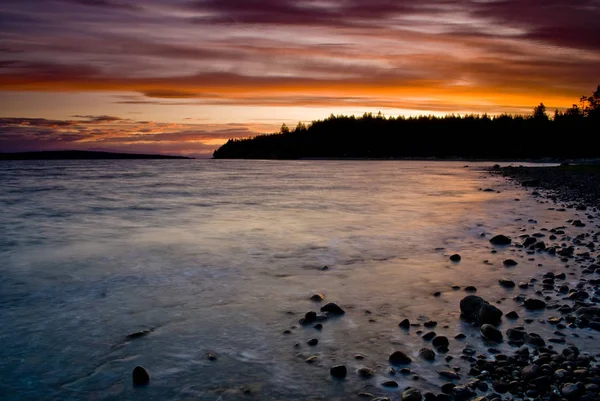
(221, 256)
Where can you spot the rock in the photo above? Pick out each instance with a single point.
(447, 388)
(512, 315)
(572, 391)
(366, 373)
(411, 394)
(318, 326)
(138, 334)
(455, 258)
(440, 342)
(399, 358)
(427, 354)
(534, 339)
(390, 384)
(338, 371)
(510, 263)
(462, 393)
(311, 359)
(405, 324)
(429, 324)
(470, 288)
(500, 240)
(312, 342)
(429, 336)
(141, 377)
(333, 309)
(317, 297)
(491, 333)
(448, 374)
(211, 356)
(309, 317)
(474, 308)
(506, 283)
(515, 334)
(489, 314)
(534, 304)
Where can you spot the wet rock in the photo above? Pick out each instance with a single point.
(141, 377)
(318, 326)
(455, 258)
(399, 358)
(512, 315)
(534, 339)
(430, 324)
(462, 393)
(491, 333)
(534, 304)
(309, 317)
(138, 334)
(429, 336)
(460, 336)
(390, 384)
(440, 342)
(312, 342)
(470, 288)
(211, 356)
(500, 240)
(405, 324)
(506, 283)
(366, 373)
(411, 394)
(338, 371)
(572, 391)
(510, 263)
(427, 354)
(311, 359)
(447, 388)
(515, 334)
(317, 297)
(333, 309)
(448, 374)
(474, 308)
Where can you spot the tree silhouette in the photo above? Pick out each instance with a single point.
(504, 136)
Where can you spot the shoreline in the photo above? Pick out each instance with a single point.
(536, 367)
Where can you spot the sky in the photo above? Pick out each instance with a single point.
(183, 76)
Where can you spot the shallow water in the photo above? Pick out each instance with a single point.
(222, 256)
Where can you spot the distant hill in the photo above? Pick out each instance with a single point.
(80, 155)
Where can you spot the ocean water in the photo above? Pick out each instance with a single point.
(222, 256)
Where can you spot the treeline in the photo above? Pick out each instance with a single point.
(568, 134)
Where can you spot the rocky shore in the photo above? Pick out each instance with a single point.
(510, 357)
(575, 185)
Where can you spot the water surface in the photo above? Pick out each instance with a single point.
(222, 256)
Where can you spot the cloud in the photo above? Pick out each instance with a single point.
(472, 54)
(92, 132)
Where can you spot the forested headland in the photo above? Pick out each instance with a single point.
(566, 134)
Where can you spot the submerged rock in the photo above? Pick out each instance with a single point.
(317, 297)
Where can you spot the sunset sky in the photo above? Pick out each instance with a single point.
(183, 76)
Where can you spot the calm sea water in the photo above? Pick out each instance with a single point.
(222, 256)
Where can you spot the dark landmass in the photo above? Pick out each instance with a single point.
(468, 137)
(576, 185)
(81, 155)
